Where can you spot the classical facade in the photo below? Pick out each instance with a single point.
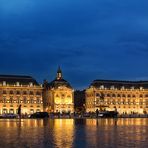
(125, 96)
(16, 90)
(58, 95)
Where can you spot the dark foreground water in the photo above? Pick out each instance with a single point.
(78, 133)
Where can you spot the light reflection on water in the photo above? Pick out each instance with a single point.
(67, 133)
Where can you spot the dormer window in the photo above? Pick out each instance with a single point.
(122, 87)
(4, 83)
(17, 84)
(112, 87)
(102, 87)
(30, 84)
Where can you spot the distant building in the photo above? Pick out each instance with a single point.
(16, 90)
(79, 100)
(125, 96)
(58, 95)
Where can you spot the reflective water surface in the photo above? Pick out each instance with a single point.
(77, 133)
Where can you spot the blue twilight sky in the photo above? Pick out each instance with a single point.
(89, 39)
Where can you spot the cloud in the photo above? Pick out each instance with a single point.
(89, 39)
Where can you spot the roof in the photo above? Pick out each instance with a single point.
(58, 82)
(119, 84)
(59, 70)
(13, 79)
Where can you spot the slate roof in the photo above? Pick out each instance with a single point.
(119, 84)
(13, 79)
(58, 82)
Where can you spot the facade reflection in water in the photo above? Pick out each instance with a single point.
(63, 132)
(74, 133)
(117, 132)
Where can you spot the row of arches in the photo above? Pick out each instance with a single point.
(62, 96)
(21, 100)
(121, 95)
(21, 92)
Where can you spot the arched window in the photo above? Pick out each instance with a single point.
(31, 93)
(18, 92)
(57, 96)
(124, 101)
(114, 102)
(113, 95)
(38, 93)
(141, 96)
(4, 99)
(25, 100)
(18, 100)
(128, 95)
(38, 100)
(63, 96)
(4, 91)
(133, 96)
(11, 92)
(108, 95)
(140, 101)
(11, 100)
(31, 100)
(24, 92)
(123, 95)
(119, 95)
(129, 101)
(97, 94)
(68, 96)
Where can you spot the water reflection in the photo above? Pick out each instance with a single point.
(63, 132)
(103, 133)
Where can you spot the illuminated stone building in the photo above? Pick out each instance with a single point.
(16, 90)
(58, 95)
(125, 96)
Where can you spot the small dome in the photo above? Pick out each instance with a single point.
(58, 82)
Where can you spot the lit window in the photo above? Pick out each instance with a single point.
(141, 96)
(25, 100)
(11, 92)
(4, 91)
(31, 92)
